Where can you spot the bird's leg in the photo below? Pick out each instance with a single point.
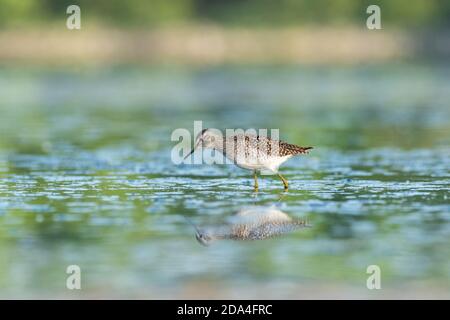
(256, 181)
(281, 196)
(285, 183)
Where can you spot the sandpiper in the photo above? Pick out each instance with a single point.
(250, 151)
(250, 223)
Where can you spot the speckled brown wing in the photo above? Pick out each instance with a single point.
(287, 149)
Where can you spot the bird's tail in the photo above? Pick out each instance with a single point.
(304, 150)
(292, 149)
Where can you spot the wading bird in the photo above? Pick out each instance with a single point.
(250, 223)
(249, 151)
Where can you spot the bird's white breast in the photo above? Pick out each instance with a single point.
(270, 164)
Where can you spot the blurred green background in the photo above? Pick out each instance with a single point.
(220, 32)
(404, 13)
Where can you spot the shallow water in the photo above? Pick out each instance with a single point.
(86, 178)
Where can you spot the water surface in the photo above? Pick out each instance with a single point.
(86, 179)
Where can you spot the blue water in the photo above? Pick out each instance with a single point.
(86, 178)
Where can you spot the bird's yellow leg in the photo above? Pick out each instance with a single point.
(256, 181)
(285, 183)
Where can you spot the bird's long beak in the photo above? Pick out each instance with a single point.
(197, 230)
(193, 149)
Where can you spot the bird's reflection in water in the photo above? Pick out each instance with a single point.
(250, 223)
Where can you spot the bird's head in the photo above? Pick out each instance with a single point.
(208, 138)
(203, 238)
